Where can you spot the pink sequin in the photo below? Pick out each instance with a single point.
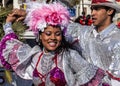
(57, 77)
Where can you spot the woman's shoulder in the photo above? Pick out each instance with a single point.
(36, 47)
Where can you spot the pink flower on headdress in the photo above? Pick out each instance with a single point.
(53, 19)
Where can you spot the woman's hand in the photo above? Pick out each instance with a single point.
(10, 18)
(20, 14)
(16, 15)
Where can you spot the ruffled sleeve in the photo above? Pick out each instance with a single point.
(16, 55)
(114, 68)
(72, 32)
(75, 30)
(81, 73)
(74, 35)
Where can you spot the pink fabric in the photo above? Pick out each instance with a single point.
(7, 37)
(56, 74)
(13, 59)
(97, 79)
(57, 77)
(105, 84)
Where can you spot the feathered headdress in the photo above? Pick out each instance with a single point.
(41, 15)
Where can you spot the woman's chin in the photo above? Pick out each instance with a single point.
(50, 50)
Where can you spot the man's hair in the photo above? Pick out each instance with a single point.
(113, 14)
(104, 7)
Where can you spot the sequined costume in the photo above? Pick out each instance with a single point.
(101, 49)
(46, 69)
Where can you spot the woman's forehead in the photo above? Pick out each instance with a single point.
(53, 28)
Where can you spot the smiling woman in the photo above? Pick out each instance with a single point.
(51, 38)
(53, 62)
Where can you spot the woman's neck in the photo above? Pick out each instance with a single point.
(48, 51)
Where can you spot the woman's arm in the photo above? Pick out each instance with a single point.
(13, 53)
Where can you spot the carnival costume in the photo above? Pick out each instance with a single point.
(101, 49)
(46, 69)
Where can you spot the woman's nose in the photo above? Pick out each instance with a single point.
(53, 36)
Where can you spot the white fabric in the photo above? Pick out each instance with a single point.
(115, 83)
(101, 49)
(76, 69)
(110, 3)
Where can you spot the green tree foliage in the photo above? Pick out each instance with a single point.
(3, 14)
(18, 27)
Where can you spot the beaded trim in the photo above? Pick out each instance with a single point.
(3, 46)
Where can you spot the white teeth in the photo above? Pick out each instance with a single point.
(52, 43)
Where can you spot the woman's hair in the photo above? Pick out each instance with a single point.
(64, 44)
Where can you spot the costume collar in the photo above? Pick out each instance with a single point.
(104, 33)
(48, 53)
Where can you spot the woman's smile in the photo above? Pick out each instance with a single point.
(52, 44)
